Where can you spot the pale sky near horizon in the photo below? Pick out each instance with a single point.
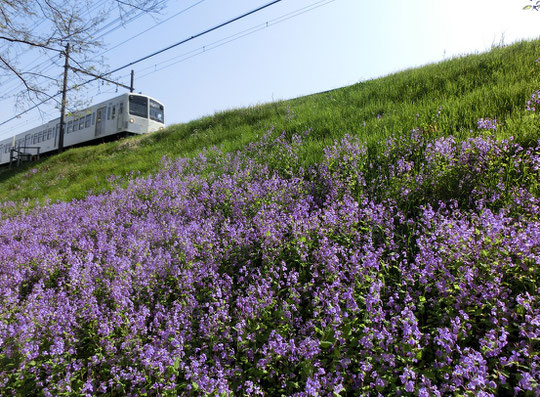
(327, 45)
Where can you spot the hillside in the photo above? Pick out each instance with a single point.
(446, 98)
(307, 254)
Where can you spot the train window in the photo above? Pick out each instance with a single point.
(109, 112)
(75, 125)
(156, 111)
(49, 134)
(39, 135)
(34, 139)
(138, 106)
(113, 112)
(121, 108)
(27, 140)
(69, 127)
(93, 118)
(87, 120)
(81, 123)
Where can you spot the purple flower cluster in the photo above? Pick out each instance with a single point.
(411, 271)
(486, 124)
(534, 102)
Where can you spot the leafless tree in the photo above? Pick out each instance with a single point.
(47, 26)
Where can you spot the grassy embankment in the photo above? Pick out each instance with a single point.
(446, 98)
(406, 266)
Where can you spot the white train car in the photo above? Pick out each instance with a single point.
(126, 113)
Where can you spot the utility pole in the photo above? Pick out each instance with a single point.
(63, 104)
(65, 89)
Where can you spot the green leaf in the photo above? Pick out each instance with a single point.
(325, 344)
(347, 330)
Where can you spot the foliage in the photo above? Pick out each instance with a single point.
(411, 270)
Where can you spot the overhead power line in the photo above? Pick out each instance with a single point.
(195, 36)
(211, 46)
(154, 26)
(147, 57)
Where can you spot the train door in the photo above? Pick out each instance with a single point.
(101, 117)
(120, 117)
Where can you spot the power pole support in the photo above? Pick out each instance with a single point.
(63, 104)
(131, 89)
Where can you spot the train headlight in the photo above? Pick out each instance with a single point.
(131, 121)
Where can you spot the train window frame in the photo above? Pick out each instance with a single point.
(34, 138)
(69, 127)
(93, 118)
(109, 112)
(136, 105)
(49, 133)
(81, 123)
(121, 108)
(113, 114)
(156, 115)
(87, 120)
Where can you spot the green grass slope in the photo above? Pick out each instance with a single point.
(444, 99)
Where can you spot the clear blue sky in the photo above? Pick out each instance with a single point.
(337, 44)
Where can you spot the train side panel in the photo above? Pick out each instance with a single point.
(131, 113)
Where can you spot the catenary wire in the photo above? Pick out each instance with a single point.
(273, 22)
(254, 29)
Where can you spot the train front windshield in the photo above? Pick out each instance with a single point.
(138, 106)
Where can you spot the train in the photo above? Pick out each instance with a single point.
(126, 114)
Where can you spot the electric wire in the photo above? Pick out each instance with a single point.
(254, 29)
(119, 22)
(193, 37)
(27, 67)
(154, 26)
(147, 57)
(209, 47)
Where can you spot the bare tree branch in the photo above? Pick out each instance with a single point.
(60, 22)
(30, 43)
